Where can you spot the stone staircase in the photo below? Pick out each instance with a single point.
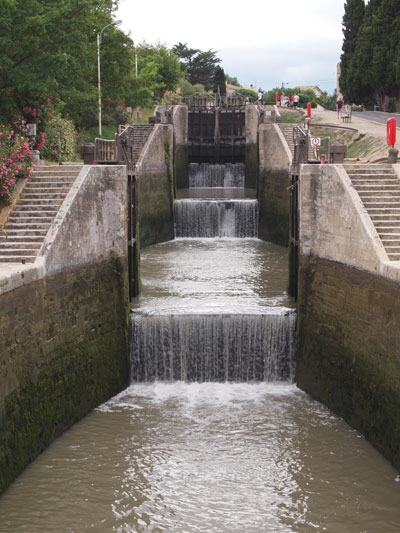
(31, 217)
(287, 130)
(140, 135)
(379, 189)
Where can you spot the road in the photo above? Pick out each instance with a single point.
(377, 116)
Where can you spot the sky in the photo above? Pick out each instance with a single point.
(266, 44)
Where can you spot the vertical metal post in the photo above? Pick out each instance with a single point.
(99, 80)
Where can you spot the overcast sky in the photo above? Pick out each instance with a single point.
(260, 43)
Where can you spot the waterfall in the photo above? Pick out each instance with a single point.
(216, 218)
(216, 347)
(185, 330)
(206, 175)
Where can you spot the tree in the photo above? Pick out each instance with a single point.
(219, 81)
(49, 53)
(232, 80)
(199, 66)
(352, 21)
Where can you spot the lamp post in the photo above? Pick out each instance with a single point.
(99, 35)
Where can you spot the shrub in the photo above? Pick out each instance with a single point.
(60, 140)
(15, 161)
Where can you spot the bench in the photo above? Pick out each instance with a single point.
(346, 113)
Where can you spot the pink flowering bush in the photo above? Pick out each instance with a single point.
(15, 161)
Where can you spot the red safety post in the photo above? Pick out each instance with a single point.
(276, 97)
(309, 109)
(391, 131)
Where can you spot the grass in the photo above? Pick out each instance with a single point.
(291, 117)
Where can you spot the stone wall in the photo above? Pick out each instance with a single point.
(348, 348)
(155, 188)
(64, 321)
(273, 184)
(348, 310)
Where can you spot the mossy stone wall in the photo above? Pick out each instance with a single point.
(181, 166)
(348, 354)
(63, 351)
(155, 188)
(274, 206)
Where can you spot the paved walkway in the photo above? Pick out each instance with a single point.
(363, 125)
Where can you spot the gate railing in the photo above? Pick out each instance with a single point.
(104, 150)
(301, 147)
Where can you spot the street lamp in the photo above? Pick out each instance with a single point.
(99, 35)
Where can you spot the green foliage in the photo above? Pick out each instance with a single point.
(247, 92)
(60, 140)
(198, 66)
(219, 81)
(232, 80)
(187, 89)
(370, 62)
(328, 102)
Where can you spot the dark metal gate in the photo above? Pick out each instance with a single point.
(294, 235)
(133, 258)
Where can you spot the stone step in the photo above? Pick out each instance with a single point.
(387, 241)
(21, 238)
(388, 222)
(381, 201)
(22, 251)
(31, 216)
(393, 182)
(385, 217)
(378, 193)
(52, 188)
(389, 232)
(52, 181)
(384, 210)
(27, 226)
(37, 205)
(20, 245)
(22, 258)
(42, 196)
(15, 232)
(368, 168)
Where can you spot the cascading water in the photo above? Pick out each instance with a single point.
(216, 218)
(208, 313)
(213, 347)
(206, 175)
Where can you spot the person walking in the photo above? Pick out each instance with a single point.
(339, 106)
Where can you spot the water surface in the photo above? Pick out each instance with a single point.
(212, 458)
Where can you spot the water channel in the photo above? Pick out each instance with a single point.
(226, 446)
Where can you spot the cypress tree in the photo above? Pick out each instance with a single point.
(354, 11)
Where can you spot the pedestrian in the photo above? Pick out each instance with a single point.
(339, 106)
(296, 99)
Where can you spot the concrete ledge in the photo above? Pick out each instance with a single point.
(274, 150)
(335, 225)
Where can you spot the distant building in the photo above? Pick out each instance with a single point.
(317, 91)
(230, 89)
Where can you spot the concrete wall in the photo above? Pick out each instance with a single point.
(273, 182)
(252, 117)
(155, 187)
(64, 321)
(348, 310)
(181, 159)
